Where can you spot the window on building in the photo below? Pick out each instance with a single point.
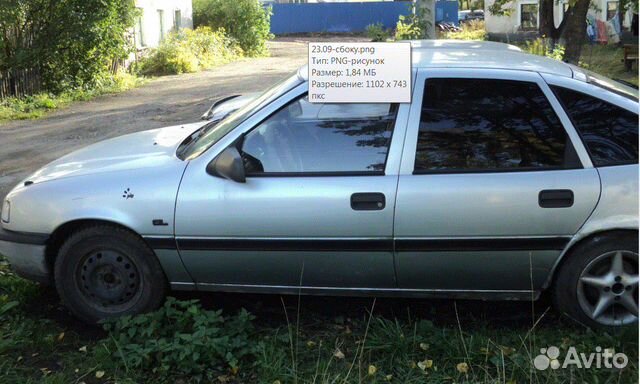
(139, 31)
(610, 133)
(177, 19)
(486, 125)
(307, 138)
(161, 20)
(612, 9)
(529, 16)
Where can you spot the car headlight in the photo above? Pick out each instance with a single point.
(6, 211)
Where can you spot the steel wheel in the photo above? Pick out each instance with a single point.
(608, 288)
(109, 280)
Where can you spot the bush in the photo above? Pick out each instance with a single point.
(540, 47)
(472, 30)
(376, 32)
(414, 26)
(407, 30)
(183, 338)
(71, 42)
(189, 51)
(246, 21)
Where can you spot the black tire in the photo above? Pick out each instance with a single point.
(104, 271)
(570, 295)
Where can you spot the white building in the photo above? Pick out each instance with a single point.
(158, 18)
(525, 16)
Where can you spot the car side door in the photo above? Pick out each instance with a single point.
(493, 184)
(316, 210)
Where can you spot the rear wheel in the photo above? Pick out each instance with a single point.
(104, 272)
(598, 283)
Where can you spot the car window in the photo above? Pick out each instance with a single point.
(610, 133)
(309, 138)
(469, 125)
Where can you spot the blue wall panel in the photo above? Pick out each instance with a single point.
(348, 17)
(335, 17)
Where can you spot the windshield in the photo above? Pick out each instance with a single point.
(213, 132)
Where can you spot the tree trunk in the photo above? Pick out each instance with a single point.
(575, 31)
(547, 23)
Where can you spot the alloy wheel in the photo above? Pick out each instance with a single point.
(608, 288)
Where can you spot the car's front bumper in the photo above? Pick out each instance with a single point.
(26, 254)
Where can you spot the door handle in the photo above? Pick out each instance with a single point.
(555, 198)
(368, 201)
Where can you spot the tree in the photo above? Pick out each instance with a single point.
(247, 21)
(71, 42)
(571, 32)
(574, 33)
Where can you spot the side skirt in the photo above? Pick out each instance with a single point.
(520, 295)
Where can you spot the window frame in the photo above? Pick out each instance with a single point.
(607, 10)
(528, 2)
(177, 19)
(411, 137)
(238, 143)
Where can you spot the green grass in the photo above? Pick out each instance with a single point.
(607, 60)
(316, 340)
(36, 106)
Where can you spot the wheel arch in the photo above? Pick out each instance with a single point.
(577, 241)
(63, 231)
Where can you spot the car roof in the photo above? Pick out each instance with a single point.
(476, 55)
(481, 54)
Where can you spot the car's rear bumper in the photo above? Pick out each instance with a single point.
(26, 254)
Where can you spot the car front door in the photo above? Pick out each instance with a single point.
(316, 210)
(494, 182)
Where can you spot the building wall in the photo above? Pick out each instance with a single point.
(511, 23)
(150, 30)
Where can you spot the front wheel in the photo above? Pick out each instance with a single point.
(597, 285)
(103, 272)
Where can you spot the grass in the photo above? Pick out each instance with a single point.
(36, 106)
(295, 340)
(607, 60)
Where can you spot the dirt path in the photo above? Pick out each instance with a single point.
(27, 145)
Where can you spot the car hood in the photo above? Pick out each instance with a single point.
(136, 150)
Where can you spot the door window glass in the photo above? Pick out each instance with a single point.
(610, 133)
(469, 125)
(308, 138)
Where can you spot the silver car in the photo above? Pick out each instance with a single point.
(506, 176)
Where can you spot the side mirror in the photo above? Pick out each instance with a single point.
(228, 164)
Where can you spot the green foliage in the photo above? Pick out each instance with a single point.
(35, 106)
(414, 26)
(189, 51)
(407, 29)
(376, 32)
(472, 30)
(182, 337)
(502, 8)
(246, 21)
(71, 42)
(540, 47)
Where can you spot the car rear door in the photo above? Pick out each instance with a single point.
(316, 210)
(494, 182)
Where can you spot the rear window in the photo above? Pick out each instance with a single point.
(610, 133)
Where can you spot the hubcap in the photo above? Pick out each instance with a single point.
(108, 279)
(608, 288)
